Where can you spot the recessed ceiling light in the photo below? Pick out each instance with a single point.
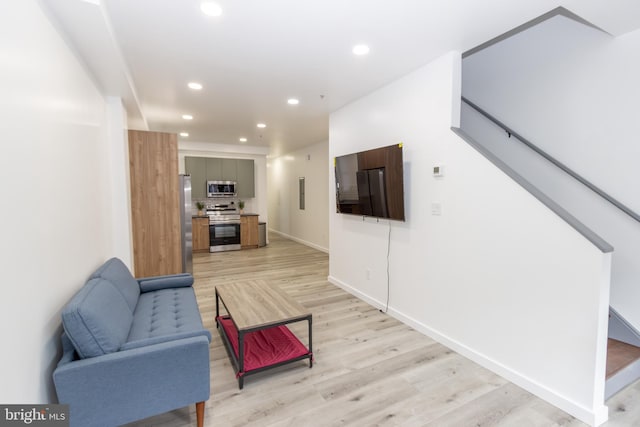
(185, 134)
(194, 86)
(187, 116)
(360, 49)
(243, 139)
(261, 125)
(293, 101)
(210, 8)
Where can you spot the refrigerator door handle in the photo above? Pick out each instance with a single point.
(186, 238)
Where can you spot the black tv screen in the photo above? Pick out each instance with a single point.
(370, 183)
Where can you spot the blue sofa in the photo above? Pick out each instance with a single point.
(132, 348)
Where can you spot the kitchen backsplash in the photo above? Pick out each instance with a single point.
(210, 202)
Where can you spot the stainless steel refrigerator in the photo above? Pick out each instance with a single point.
(185, 224)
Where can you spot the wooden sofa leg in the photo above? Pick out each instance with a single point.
(200, 414)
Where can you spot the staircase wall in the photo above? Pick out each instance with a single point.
(573, 91)
(496, 275)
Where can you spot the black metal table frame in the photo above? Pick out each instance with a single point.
(238, 361)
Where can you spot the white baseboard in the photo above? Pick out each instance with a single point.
(593, 417)
(353, 291)
(303, 242)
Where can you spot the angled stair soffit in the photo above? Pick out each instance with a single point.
(558, 11)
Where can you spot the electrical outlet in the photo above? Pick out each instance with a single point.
(367, 274)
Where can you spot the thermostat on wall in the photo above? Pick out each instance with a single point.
(438, 170)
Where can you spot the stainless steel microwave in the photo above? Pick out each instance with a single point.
(221, 188)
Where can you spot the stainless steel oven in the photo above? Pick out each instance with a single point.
(224, 236)
(224, 227)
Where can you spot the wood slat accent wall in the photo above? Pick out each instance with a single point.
(155, 210)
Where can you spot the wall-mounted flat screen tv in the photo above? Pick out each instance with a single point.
(370, 183)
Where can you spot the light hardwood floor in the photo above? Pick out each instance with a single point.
(369, 370)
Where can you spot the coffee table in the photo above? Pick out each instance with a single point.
(254, 330)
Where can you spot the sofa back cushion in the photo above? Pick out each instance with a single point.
(119, 275)
(97, 320)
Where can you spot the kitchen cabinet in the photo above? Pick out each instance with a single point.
(246, 181)
(229, 169)
(200, 229)
(197, 168)
(249, 231)
(221, 169)
(203, 169)
(153, 170)
(213, 169)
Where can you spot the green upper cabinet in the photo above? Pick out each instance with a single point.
(221, 169)
(246, 181)
(229, 170)
(197, 168)
(214, 169)
(203, 169)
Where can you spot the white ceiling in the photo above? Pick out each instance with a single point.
(259, 53)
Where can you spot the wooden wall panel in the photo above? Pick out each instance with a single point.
(155, 200)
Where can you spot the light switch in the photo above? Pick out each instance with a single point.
(438, 171)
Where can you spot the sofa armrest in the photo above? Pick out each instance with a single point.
(129, 385)
(149, 284)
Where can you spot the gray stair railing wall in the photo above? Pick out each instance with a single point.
(581, 228)
(592, 207)
(556, 162)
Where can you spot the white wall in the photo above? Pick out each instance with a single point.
(118, 155)
(258, 204)
(55, 182)
(573, 91)
(311, 225)
(498, 276)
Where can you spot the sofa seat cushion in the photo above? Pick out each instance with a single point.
(97, 320)
(165, 314)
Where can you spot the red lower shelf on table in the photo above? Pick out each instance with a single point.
(265, 347)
